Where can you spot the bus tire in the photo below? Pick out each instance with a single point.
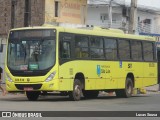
(75, 95)
(32, 95)
(127, 92)
(90, 94)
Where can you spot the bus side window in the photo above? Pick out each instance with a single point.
(148, 51)
(110, 48)
(66, 51)
(136, 50)
(124, 49)
(81, 47)
(96, 48)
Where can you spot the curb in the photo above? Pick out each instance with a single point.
(152, 90)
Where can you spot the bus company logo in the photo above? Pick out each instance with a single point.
(120, 64)
(6, 114)
(98, 70)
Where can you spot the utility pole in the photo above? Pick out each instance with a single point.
(13, 6)
(110, 13)
(133, 14)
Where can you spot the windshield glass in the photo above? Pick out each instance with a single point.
(31, 50)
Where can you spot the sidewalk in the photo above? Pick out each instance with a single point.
(154, 88)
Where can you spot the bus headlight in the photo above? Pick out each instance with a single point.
(8, 78)
(51, 76)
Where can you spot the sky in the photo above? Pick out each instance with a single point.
(150, 3)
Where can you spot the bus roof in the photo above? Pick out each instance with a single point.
(98, 31)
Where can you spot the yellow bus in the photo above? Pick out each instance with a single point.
(78, 62)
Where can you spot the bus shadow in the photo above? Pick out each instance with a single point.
(66, 98)
(22, 98)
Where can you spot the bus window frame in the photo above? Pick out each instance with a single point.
(102, 38)
(88, 47)
(111, 38)
(135, 40)
(62, 38)
(152, 51)
(124, 39)
(155, 51)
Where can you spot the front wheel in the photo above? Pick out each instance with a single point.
(127, 92)
(32, 95)
(75, 95)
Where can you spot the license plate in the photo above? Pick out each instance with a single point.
(28, 89)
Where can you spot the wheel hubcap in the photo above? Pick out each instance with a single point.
(77, 90)
(129, 89)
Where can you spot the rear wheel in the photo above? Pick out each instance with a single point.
(90, 94)
(75, 95)
(32, 95)
(127, 92)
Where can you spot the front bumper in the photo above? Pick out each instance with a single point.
(39, 86)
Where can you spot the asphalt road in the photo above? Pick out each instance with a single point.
(19, 102)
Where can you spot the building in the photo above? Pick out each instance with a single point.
(18, 13)
(23, 13)
(65, 11)
(147, 20)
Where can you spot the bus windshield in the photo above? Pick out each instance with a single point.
(31, 50)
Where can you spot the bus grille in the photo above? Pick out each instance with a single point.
(34, 86)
